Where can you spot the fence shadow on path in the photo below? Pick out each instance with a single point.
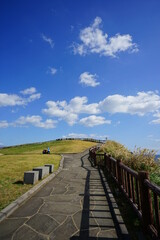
(100, 217)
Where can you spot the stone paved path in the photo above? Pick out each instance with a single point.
(71, 206)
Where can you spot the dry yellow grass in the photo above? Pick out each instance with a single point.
(12, 168)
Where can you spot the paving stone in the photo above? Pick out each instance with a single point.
(65, 231)
(60, 218)
(42, 223)
(103, 223)
(9, 226)
(59, 189)
(108, 234)
(29, 208)
(26, 233)
(83, 220)
(72, 198)
(73, 189)
(86, 234)
(101, 214)
(101, 207)
(45, 191)
(51, 208)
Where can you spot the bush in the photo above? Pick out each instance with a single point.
(138, 160)
(142, 160)
(116, 150)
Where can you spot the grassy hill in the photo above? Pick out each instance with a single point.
(56, 147)
(14, 161)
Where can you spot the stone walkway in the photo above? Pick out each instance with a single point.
(77, 204)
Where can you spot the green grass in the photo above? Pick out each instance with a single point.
(14, 161)
(56, 147)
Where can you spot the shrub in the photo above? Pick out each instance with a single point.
(142, 160)
(116, 150)
(139, 159)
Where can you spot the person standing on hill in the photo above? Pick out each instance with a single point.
(48, 150)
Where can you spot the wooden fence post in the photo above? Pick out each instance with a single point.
(146, 200)
(119, 177)
(94, 154)
(105, 159)
(109, 163)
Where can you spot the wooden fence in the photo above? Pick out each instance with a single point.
(136, 186)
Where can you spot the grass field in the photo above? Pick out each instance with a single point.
(56, 147)
(14, 161)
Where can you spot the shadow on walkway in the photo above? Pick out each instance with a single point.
(101, 218)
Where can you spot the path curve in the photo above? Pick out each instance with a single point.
(77, 204)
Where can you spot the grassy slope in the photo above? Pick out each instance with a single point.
(12, 168)
(56, 147)
(16, 160)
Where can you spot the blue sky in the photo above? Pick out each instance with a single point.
(80, 69)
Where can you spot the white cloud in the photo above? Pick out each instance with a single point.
(48, 40)
(141, 104)
(93, 40)
(52, 70)
(76, 135)
(28, 91)
(4, 124)
(93, 120)
(156, 121)
(36, 121)
(10, 100)
(16, 100)
(88, 79)
(33, 97)
(69, 112)
(84, 135)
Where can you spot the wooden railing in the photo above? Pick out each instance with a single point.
(137, 188)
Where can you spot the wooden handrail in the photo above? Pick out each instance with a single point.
(137, 187)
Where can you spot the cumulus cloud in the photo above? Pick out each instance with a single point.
(4, 124)
(69, 112)
(93, 120)
(84, 135)
(10, 100)
(141, 104)
(16, 100)
(93, 40)
(75, 135)
(28, 91)
(48, 40)
(156, 121)
(88, 79)
(33, 97)
(36, 121)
